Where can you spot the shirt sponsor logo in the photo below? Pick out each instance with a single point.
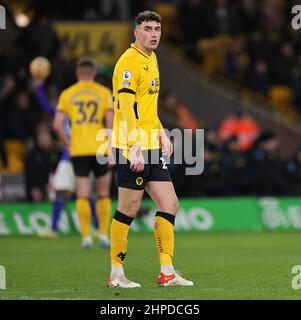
(154, 86)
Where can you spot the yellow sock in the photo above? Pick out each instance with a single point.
(103, 210)
(119, 237)
(164, 234)
(83, 210)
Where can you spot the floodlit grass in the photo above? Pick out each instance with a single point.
(222, 266)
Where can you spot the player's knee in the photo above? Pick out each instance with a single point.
(131, 207)
(177, 205)
(174, 206)
(103, 194)
(171, 206)
(84, 195)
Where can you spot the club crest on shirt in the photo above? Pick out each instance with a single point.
(126, 75)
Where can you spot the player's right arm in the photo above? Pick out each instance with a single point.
(60, 115)
(126, 104)
(41, 95)
(127, 78)
(108, 122)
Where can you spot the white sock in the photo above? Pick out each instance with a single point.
(87, 240)
(168, 270)
(104, 237)
(116, 271)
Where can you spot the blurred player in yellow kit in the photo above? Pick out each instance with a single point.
(88, 105)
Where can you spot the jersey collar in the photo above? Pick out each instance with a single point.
(140, 51)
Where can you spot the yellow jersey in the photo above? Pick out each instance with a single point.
(85, 103)
(136, 80)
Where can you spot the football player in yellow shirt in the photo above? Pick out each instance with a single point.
(88, 105)
(139, 136)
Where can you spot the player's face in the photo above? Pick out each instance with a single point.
(148, 35)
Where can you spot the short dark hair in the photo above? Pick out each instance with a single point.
(147, 16)
(85, 62)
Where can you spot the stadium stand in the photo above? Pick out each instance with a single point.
(231, 52)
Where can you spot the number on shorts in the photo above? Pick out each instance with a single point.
(163, 163)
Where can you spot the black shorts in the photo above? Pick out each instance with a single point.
(153, 170)
(83, 165)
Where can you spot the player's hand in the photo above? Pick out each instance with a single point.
(136, 159)
(165, 144)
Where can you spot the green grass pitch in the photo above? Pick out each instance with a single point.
(222, 266)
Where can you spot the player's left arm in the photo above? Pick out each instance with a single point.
(60, 115)
(58, 126)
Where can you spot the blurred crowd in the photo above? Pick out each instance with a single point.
(240, 157)
(260, 49)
